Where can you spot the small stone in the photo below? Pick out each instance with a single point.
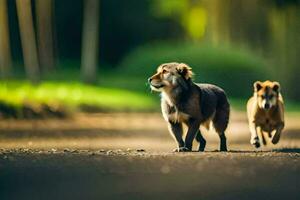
(66, 150)
(109, 152)
(25, 150)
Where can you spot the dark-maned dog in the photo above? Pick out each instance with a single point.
(265, 111)
(183, 101)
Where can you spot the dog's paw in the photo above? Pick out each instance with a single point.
(275, 139)
(181, 149)
(201, 149)
(223, 149)
(255, 142)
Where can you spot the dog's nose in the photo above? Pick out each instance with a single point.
(267, 106)
(149, 79)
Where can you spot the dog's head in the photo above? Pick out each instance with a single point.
(169, 76)
(267, 93)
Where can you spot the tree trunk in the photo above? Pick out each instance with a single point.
(90, 41)
(28, 39)
(44, 11)
(5, 54)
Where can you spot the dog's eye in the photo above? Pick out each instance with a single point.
(164, 71)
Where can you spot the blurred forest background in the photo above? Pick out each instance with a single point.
(96, 55)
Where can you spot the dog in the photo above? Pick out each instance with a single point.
(265, 110)
(189, 103)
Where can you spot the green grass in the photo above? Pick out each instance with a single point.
(75, 95)
(115, 91)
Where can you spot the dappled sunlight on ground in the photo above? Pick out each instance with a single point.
(122, 130)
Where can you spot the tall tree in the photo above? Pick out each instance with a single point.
(90, 40)
(44, 11)
(28, 39)
(5, 54)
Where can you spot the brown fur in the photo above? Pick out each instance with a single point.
(184, 102)
(265, 111)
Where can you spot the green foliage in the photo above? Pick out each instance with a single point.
(73, 95)
(191, 15)
(233, 69)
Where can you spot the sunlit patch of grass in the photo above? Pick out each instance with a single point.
(74, 95)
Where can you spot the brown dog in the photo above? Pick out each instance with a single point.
(265, 111)
(184, 102)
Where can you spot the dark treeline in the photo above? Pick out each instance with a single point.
(123, 26)
(127, 24)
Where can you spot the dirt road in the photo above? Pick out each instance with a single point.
(128, 156)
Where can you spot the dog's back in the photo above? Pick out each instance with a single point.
(212, 99)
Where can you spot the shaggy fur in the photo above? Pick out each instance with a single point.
(185, 102)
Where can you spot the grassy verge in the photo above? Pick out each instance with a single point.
(59, 95)
(70, 96)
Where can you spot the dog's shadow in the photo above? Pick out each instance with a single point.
(287, 150)
(279, 150)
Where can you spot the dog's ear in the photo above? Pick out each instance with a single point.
(257, 86)
(276, 87)
(184, 70)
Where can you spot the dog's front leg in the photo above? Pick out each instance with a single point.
(254, 137)
(277, 134)
(259, 131)
(176, 132)
(193, 127)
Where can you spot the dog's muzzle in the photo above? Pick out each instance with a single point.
(267, 106)
(157, 86)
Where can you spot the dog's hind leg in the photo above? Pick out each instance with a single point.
(223, 142)
(220, 122)
(201, 140)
